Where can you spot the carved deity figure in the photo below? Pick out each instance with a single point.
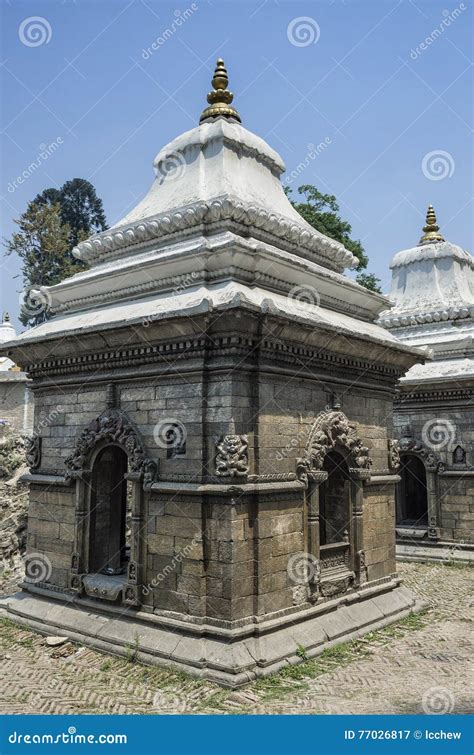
(232, 456)
(394, 454)
(33, 451)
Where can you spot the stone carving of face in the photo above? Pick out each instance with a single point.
(232, 444)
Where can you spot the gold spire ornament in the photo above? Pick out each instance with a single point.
(431, 229)
(219, 100)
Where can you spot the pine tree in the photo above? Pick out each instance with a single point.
(42, 244)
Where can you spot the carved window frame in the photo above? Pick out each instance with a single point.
(433, 466)
(111, 428)
(332, 431)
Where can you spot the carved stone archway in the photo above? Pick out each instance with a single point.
(433, 466)
(344, 563)
(111, 427)
(331, 429)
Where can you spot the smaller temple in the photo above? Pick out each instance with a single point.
(433, 296)
(16, 405)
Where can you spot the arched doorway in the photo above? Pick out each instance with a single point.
(109, 551)
(412, 492)
(334, 501)
(333, 468)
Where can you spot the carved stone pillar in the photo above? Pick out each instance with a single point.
(432, 501)
(135, 568)
(312, 497)
(80, 556)
(357, 498)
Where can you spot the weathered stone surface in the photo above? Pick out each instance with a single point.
(206, 413)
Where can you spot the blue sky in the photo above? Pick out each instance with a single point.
(385, 85)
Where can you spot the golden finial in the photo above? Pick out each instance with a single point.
(431, 230)
(219, 100)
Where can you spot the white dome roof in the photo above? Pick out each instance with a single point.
(433, 305)
(216, 172)
(7, 331)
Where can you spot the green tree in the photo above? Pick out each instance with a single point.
(81, 208)
(322, 212)
(369, 281)
(54, 222)
(42, 243)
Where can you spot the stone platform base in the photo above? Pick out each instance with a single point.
(437, 552)
(251, 652)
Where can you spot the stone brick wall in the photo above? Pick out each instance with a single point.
(51, 529)
(16, 404)
(218, 556)
(174, 554)
(379, 529)
(455, 492)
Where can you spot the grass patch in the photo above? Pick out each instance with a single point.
(215, 701)
(26, 642)
(290, 677)
(8, 630)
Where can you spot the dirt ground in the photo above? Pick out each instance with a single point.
(422, 664)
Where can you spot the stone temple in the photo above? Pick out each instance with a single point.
(433, 306)
(216, 486)
(16, 406)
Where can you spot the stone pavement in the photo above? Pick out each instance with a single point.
(422, 664)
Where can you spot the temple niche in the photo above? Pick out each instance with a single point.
(433, 307)
(216, 486)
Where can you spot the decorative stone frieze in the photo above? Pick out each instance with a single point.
(280, 350)
(221, 209)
